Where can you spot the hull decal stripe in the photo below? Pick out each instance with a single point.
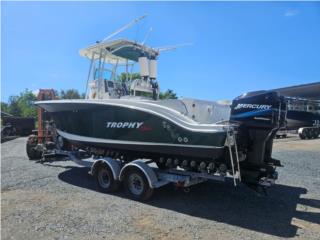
(157, 110)
(79, 138)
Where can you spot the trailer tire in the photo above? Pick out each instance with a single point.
(136, 185)
(32, 153)
(303, 135)
(309, 133)
(312, 134)
(13, 131)
(105, 179)
(317, 132)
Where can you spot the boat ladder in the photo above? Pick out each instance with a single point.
(232, 143)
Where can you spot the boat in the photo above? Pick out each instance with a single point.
(303, 115)
(122, 117)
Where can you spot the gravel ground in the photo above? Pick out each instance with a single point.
(59, 200)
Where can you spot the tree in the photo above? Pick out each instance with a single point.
(22, 105)
(70, 94)
(14, 108)
(5, 107)
(25, 104)
(169, 94)
(123, 76)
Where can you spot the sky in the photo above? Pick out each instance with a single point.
(236, 46)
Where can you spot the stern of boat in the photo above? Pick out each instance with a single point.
(258, 116)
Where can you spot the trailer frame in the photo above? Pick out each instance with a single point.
(150, 177)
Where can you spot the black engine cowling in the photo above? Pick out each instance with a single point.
(259, 115)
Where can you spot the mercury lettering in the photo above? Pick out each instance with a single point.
(253, 106)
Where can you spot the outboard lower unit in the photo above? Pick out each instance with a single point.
(258, 115)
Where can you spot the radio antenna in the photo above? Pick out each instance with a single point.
(172, 47)
(135, 21)
(147, 36)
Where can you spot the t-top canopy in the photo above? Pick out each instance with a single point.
(118, 51)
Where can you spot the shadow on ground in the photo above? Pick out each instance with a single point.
(221, 202)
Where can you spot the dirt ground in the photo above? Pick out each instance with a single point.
(59, 200)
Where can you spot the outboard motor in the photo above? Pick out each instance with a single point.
(259, 115)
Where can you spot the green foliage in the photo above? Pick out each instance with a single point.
(25, 104)
(5, 107)
(169, 94)
(70, 94)
(13, 106)
(123, 76)
(22, 105)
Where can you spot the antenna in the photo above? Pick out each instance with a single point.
(172, 47)
(147, 36)
(124, 27)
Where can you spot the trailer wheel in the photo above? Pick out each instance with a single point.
(309, 134)
(136, 185)
(32, 153)
(13, 132)
(105, 180)
(303, 135)
(317, 132)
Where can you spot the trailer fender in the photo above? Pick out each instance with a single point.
(300, 130)
(113, 164)
(145, 168)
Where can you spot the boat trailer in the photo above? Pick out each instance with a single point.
(141, 176)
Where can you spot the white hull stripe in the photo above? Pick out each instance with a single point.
(79, 138)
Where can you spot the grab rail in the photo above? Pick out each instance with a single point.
(230, 142)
